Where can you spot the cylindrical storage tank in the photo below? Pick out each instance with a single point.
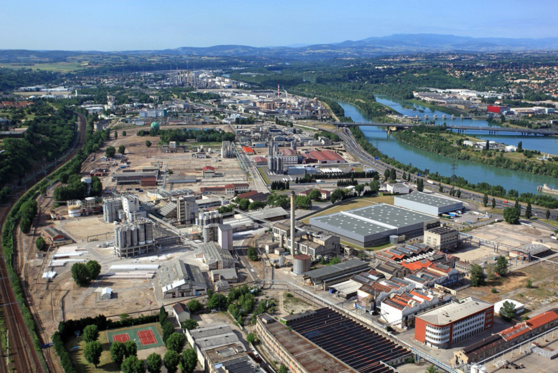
(141, 233)
(128, 236)
(206, 234)
(483, 369)
(149, 232)
(281, 260)
(134, 235)
(301, 264)
(474, 368)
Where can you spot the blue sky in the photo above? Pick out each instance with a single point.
(159, 24)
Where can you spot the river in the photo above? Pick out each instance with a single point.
(544, 144)
(470, 171)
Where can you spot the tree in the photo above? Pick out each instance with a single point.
(315, 195)
(282, 369)
(115, 135)
(92, 352)
(485, 200)
(511, 215)
(520, 145)
(253, 254)
(502, 266)
(93, 269)
(41, 244)
(493, 202)
(507, 312)
(176, 342)
(251, 338)
(393, 174)
(420, 185)
(243, 203)
(90, 333)
(487, 146)
(162, 315)
(256, 205)
(547, 214)
(117, 352)
(374, 186)
(441, 188)
(477, 275)
(172, 358)
(80, 274)
(122, 149)
(189, 324)
(431, 369)
(458, 193)
(110, 151)
(359, 189)
(148, 144)
(154, 363)
(387, 173)
(132, 365)
(528, 211)
(303, 202)
(337, 195)
(189, 361)
(131, 348)
(123, 133)
(194, 306)
(168, 329)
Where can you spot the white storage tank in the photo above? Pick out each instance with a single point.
(86, 180)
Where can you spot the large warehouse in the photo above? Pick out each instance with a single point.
(372, 225)
(427, 203)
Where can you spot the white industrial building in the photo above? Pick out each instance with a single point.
(400, 309)
(397, 188)
(178, 279)
(210, 337)
(225, 236)
(428, 203)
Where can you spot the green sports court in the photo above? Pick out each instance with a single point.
(145, 336)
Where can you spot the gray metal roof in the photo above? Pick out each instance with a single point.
(177, 273)
(372, 220)
(428, 199)
(455, 311)
(336, 269)
(212, 253)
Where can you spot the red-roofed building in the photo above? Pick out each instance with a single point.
(247, 194)
(507, 338)
(419, 264)
(326, 157)
(260, 161)
(248, 150)
(208, 171)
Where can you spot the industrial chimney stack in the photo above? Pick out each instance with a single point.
(293, 223)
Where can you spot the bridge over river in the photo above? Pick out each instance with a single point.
(458, 128)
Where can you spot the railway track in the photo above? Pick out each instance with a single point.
(20, 355)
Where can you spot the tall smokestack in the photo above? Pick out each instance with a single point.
(293, 223)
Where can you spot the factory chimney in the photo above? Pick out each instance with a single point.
(293, 223)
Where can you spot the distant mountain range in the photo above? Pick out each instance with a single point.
(370, 47)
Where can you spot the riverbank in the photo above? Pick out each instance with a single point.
(450, 144)
(429, 105)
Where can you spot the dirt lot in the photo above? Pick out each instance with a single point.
(544, 291)
(181, 163)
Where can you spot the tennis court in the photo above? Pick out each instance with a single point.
(146, 336)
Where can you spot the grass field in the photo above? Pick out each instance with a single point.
(262, 172)
(82, 366)
(352, 204)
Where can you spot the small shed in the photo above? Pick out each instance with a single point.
(181, 312)
(106, 293)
